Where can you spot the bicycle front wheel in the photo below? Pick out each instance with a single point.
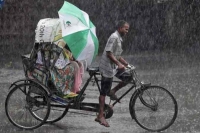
(154, 108)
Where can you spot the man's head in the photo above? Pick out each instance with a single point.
(122, 27)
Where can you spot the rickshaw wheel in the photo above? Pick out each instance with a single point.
(23, 101)
(57, 112)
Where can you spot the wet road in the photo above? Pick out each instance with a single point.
(83, 121)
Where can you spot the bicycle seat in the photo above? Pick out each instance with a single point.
(93, 70)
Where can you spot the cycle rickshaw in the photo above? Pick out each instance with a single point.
(30, 102)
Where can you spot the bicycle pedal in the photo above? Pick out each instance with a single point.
(111, 106)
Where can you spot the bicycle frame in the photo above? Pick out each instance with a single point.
(93, 72)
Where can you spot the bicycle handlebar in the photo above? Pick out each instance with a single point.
(129, 68)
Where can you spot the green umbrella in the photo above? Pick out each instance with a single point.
(78, 32)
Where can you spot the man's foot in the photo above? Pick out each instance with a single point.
(112, 95)
(102, 121)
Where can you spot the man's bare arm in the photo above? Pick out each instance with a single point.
(123, 61)
(114, 60)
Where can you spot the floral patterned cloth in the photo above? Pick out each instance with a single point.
(66, 74)
(63, 79)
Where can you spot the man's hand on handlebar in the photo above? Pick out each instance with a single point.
(121, 67)
(129, 66)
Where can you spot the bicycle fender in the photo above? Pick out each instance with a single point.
(17, 83)
(131, 103)
(22, 81)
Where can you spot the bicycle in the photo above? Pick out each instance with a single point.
(153, 108)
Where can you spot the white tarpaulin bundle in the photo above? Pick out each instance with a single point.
(48, 30)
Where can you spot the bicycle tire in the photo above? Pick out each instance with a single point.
(22, 100)
(56, 113)
(154, 108)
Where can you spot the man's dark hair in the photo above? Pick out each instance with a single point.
(121, 23)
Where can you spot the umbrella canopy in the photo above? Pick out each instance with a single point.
(78, 32)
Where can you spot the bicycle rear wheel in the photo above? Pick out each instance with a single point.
(57, 112)
(154, 108)
(22, 101)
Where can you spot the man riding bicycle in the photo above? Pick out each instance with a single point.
(112, 64)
